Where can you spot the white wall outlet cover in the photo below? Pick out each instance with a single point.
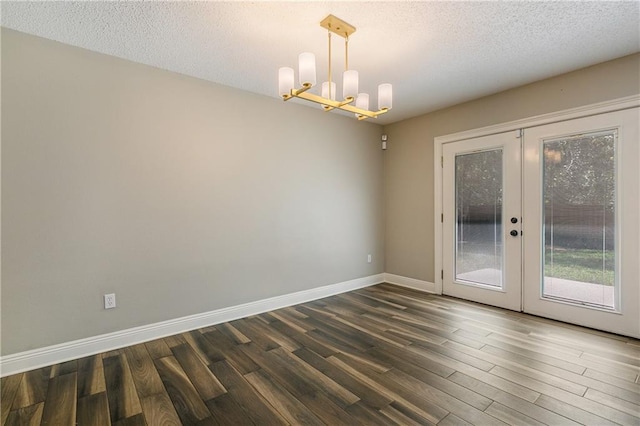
(110, 301)
(368, 258)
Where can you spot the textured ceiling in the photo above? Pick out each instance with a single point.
(435, 54)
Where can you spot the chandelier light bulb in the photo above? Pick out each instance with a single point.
(350, 84)
(385, 96)
(362, 102)
(285, 81)
(325, 90)
(307, 69)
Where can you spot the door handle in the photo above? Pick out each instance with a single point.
(513, 233)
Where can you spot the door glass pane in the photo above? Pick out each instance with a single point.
(579, 219)
(479, 218)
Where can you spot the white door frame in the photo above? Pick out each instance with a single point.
(584, 111)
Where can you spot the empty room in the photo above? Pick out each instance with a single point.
(320, 213)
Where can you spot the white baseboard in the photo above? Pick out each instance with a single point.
(412, 283)
(37, 358)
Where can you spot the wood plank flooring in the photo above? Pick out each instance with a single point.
(382, 355)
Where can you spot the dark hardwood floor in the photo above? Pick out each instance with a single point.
(381, 355)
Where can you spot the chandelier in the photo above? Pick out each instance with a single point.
(307, 79)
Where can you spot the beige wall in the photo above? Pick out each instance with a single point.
(179, 195)
(183, 196)
(408, 161)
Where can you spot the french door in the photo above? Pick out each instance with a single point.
(481, 197)
(546, 221)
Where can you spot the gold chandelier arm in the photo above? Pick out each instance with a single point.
(344, 105)
(330, 103)
(363, 112)
(296, 92)
(339, 104)
(303, 89)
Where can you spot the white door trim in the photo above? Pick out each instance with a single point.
(554, 117)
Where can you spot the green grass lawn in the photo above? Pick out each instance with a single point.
(580, 265)
(570, 264)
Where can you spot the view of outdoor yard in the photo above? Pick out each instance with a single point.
(589, 266)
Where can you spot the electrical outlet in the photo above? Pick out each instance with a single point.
(110, 301)
(368, 258)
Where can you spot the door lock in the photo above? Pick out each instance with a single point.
(513, 233)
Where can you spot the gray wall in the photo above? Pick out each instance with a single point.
(179, 195)
(408, 161)
(182, 196)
